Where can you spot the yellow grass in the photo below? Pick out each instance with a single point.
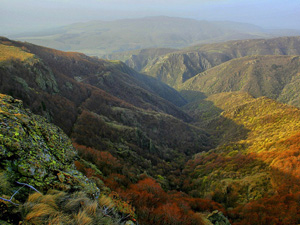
(59, 219)
(34, 197)
(82, 218)
(50, 200)
(91, 209)
(39, 212)
(12, 52)
(106, 201)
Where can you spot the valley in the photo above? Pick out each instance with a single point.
(174, 133)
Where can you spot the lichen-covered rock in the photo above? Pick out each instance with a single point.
(35, 152)
(217, 218)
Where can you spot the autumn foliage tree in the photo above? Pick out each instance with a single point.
(102, 159)
(156, 206)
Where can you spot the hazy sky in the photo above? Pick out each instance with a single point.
(27, 15)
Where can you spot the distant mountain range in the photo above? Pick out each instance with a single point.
(103, 37)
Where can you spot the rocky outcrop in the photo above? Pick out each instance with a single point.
(35, 152)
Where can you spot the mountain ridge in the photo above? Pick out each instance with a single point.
(176, 67)
(102, 37)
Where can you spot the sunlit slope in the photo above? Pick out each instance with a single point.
(11, 52)
(276, 77)
(260, 158)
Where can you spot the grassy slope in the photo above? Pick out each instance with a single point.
(9, 52)
(276, 77)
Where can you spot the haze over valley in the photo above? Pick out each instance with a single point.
(97, 38)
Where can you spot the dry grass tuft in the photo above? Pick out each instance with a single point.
(39, 213)
(35, 197)
(82, 218)
(91, 208)
(106, 201)
(60, 208)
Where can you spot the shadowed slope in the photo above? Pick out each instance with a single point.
(105, 74)
(103, 105)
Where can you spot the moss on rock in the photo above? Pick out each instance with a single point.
(36, 152)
